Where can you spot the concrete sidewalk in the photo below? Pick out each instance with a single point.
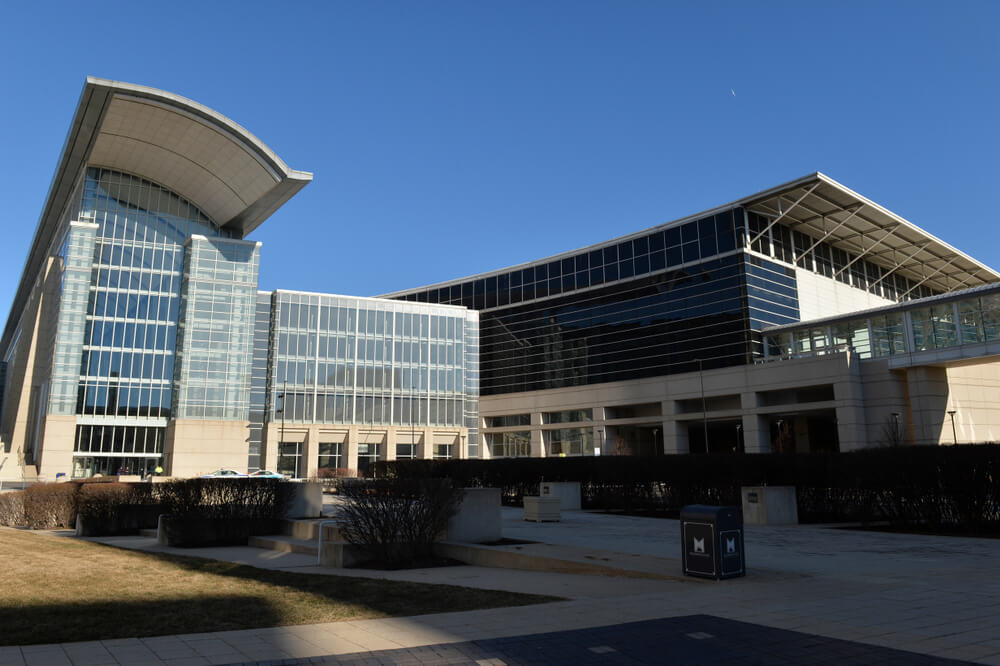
(935, 596)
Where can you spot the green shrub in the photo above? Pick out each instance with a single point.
(12, 508)
(397, 520)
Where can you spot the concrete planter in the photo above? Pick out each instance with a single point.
(542, 509)
(769, 505)
(307, 500)
(568, 493)
(478, 517)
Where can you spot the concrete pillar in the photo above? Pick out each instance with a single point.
(675, 437)
(928, 391)
(756, 434)
(600, 434)
(269, 449)
(390, 443)
(351, 449)
(537, 440)
(309, 463)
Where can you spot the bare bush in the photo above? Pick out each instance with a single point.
(397, 520)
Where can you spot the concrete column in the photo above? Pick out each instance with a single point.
(537, 440)
(427, 441)
(600, 435)
(310, 453)
(351, 449)
(269, 448)
(756, 434)
(675, 437)
(390, 443)
(928, 391)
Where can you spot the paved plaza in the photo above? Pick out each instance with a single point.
(812, 595)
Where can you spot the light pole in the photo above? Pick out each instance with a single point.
(954, 433)
(739, 429)
(704, 409)
(281, 437)
(780, 423)
(655, 432)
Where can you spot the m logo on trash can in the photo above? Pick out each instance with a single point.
(699, 545)
(730, 546)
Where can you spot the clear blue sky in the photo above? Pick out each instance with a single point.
(450, 138)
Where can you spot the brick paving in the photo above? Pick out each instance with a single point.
(692, 639)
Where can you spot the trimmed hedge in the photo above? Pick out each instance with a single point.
(109, 509)
(50, 505)
(213, 512)
(12, 508)
(933, 486)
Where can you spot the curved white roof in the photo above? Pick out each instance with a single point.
(199, 154)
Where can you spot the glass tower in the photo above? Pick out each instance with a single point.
(124, 263)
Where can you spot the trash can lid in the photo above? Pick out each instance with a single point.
(707, 511)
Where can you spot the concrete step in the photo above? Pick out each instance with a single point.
(284, 544)
(149, 533)
(308, 529)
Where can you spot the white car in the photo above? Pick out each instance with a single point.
(225, 474)
(266, 474)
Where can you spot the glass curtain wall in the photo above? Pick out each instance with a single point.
(129, 339)
(367, 361)
(258, 378)
(215, 329)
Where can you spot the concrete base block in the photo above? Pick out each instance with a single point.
(542, 509)
(769, 505)
(340, 555)
(478, 517)
(568, 493)
(307, 500)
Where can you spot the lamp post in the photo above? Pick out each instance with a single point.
(739, 429)
(704, 409)
(655, 432)
(281, 437)
(954, 433)
(780, 423)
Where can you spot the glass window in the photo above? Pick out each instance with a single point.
(331, 455)
(569, 441)
(570, 416)
(509, 420)
(515, 444)
(289, 459)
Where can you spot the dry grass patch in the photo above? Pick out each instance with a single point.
(60, 589)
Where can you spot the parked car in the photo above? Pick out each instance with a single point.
(266, 474)
(225, 474)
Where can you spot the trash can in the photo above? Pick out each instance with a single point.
(712, 541)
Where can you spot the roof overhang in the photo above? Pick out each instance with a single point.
(199, 154)
(826, 210)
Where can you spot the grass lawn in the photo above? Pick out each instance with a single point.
(57, 589)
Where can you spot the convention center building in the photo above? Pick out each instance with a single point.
(802, 318)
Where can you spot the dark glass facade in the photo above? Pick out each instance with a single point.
(644, 255)
(649, 326)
